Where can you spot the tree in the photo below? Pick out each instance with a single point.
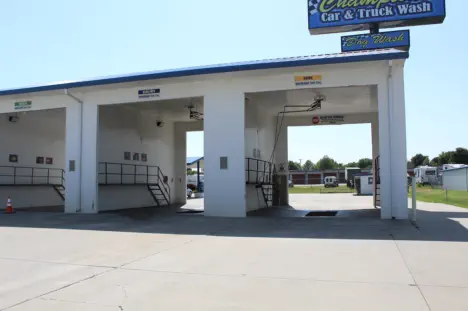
(352, 164)
(460, 156)
(426, 161)
(418, 160)
(340, 165)
(364, 163)
(294, 166)
(435, 161)
(308, 166)
(444, 157)
(326, 163)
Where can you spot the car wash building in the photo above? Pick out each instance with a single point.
(120, 142)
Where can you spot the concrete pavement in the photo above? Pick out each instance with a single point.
(154, 261)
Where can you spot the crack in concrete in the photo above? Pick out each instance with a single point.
(57, 289)
(409, 271)
(58, 263)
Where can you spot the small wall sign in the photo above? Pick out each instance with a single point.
(49, 161)
(39, 160)
(136, 157)
(144, 157)
(316, 120)
(23, 105)
(308, 80)
(149, 93)
(13, 158)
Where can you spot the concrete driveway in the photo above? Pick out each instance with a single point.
(149, 261)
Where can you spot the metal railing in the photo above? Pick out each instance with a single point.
(259, 171)
(132, 174)
(377, 181)
(24, 175)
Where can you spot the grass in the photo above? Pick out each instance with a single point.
(316, 189)
(428, 194)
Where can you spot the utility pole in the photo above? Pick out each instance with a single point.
(300, 163)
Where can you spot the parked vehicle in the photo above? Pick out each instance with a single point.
(330, 182)
(426, 175)
(290, 184)
(189, 193)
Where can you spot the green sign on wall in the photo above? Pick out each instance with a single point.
(23, 105)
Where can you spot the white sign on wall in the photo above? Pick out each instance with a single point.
(149, 93)
(308, 80)
(316, 120)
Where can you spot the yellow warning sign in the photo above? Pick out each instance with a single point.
(308, 80)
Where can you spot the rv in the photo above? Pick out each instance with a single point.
(426, 175)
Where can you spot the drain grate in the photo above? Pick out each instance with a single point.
(190, 212)
(321, 213)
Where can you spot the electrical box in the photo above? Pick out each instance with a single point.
(223, 163)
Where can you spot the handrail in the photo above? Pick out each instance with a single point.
(29, 175)
(163, 181)
(377, 178)
(132, 174)
(263, 171)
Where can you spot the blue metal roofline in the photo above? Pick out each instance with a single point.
(193, 160)
(455, 169)
(339, 58)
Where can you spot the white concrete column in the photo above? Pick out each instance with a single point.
(224, 126)
(398, 145)
(73, 157)
(281, 160)
(375, 148)
(89, 158)
(392, 144)
(180, 163)
(375, 137)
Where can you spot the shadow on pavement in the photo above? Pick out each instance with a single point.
(431, 226)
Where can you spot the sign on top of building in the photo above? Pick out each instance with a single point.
(332, 16)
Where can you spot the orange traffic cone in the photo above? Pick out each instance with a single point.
(9, 207)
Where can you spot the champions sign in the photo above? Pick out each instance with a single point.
(331, 16)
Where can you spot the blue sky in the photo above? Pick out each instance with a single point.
(51, 40)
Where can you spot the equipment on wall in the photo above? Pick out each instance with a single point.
(193, 114)
(316, 105)
(159, 123)
(13, 119)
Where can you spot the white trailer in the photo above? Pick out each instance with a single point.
(426, 175)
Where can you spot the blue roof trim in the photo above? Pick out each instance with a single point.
(326, 59)
(193, 160)
(455, 169)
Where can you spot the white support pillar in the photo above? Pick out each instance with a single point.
(224, 126)
(392, 144)
(375, 137)
(398, 150)
(180, 163)
(89, 159)
(375, 148)
(281, 161)
(73, 157)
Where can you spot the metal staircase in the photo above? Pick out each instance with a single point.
(60, 189)
(262, 174)
(377, 182)
(133, 174)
